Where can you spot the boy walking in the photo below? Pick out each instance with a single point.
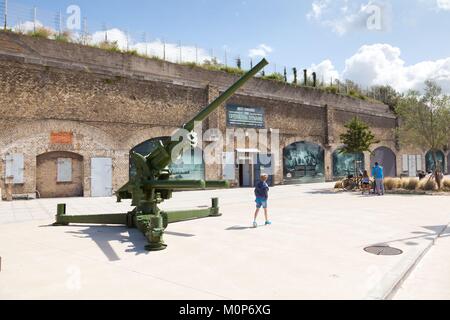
(262, 196)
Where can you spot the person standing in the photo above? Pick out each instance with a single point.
(378, 174)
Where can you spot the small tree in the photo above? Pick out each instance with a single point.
(239, 63)
(294, 71)
(425, 122)
(358, 138)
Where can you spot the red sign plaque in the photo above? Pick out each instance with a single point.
(61, 138)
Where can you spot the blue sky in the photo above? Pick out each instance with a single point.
(330, 37)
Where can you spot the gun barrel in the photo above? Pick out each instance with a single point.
(175, 184)
(225, 96)
(212, 184)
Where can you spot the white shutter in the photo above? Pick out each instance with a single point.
(9, 166)
(64, 169)
(412, 166)
(229, 172)
(405, 165)
(19, 168)
(15, 168)
(419, 163)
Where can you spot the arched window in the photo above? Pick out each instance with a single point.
(59, 174)
(190, 166)
(387, 159)
(347, 164)
(304, 163)
(448, 163)
(430, 163)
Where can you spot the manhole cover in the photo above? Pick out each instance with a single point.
(383, 251)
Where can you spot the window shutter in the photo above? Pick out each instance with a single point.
(229, 172)
(405, 163)
(9, 166)
(419, 163)
(18, 168)
(64, 170)
(15, 168)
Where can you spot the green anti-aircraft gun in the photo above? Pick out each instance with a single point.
(152, 185)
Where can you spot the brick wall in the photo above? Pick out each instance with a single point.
(112, 102)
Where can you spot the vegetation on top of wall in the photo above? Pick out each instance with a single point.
(276, 76)
(214, 65)
(63, 37)
(41, 32)
(346, 88)
(111, 46)
(133, 52)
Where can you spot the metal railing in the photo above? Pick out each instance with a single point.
(65, 25)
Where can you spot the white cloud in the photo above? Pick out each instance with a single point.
(261, 51)
(317, 9)
(381, 64)
(27, 26)
(325, 71)
(443, 4)
(111, 35)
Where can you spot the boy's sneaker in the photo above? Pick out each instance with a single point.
(255, 224)
(268, 223)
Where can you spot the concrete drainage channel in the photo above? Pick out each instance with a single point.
(388, 286)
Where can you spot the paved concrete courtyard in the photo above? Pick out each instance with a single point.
(314, 250)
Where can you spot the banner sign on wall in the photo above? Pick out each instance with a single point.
(247, 117)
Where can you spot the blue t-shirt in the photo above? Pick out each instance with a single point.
(377, 172)
(262, 190)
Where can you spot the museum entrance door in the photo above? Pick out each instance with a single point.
(252, 164)
(246, 179)
(246, 159)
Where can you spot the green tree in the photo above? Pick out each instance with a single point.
(357, 139)
(425, 122)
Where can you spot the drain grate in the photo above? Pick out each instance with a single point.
(383, 251)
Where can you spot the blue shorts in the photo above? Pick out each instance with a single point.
(261, 202)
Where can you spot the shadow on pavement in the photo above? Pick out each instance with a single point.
(102, 236)
(179, 234)
(323, 191)
(442, 231)
(238, 228)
